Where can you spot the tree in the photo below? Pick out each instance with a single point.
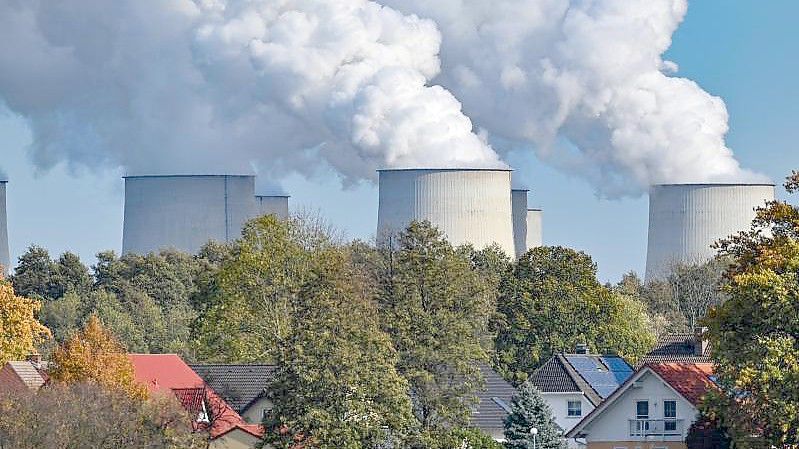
(754, 335)
(695, 288)
(32, 277)
(85, 416)
(555, 301)
(705, 433)
(336, 385)
(20, 331)
(95, 356)
(435, 305)
(656, 295)
(528, 411)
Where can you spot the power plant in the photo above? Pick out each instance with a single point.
(5, 257)
(686, 219)
(535, 228)
(518, 203)
(277, 205)
(185, 211)
(467, 205)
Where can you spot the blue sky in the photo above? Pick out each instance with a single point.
(740, 50)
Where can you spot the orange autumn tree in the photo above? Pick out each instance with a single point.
(20, 331)
(94, 355)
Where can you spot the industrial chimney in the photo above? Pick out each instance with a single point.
(467, 205)
(535, 228)
(5, 257)
(185, 211)
(518, 203)
(686, 219)
(277, 205)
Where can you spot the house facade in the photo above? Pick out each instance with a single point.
(653, 409)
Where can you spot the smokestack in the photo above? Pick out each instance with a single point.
(535, 228)
(185, 211)
(5, 257)
(518, 202)
(686, 219)
(277, 205)
(467, 205)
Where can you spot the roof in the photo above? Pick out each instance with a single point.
(493, 401)
(596, 376)
(168, 373)
(676, 347)
(239, 385)
(23, 374)
(689, 380)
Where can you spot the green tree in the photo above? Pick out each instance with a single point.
(33, 275)
(435, 304)
(530, 411)
(336, 385)
(754, 335)
(555, 301)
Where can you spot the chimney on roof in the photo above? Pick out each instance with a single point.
(581, 348)
(700, 341)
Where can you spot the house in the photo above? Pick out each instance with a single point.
(241, 386)
(169, 374)
(575, 384)
(20, 375)
(679, 348)
(244, 387)
(653, 409)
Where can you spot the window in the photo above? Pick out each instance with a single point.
(642, 410)
(670, 416)
(574, 409)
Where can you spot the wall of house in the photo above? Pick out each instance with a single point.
(559, 403)
(613, 424)
(235, 439)
(254, 414)
(637, 445)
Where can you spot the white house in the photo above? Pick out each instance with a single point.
(653, 409)
(574, 384)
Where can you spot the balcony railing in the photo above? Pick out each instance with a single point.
(656, 427)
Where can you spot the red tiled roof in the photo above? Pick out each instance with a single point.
(691, 380)
(168, 373)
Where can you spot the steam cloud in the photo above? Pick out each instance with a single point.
(192, 86)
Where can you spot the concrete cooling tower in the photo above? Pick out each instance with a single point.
(5, 257)
(185, 211)
(686, 219)
(535, 228)
(467, 205)
(277, 205)
(518, 203)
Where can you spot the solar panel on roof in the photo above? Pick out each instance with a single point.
(603, 374)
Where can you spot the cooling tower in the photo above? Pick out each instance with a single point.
(277, 205)
(535, 229)
(185, 211)
(5, 257)
(467, 205)
(518, 203)
(686, 219)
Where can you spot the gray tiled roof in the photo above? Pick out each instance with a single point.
(493, 401)
(27, 373)
(552, 377)
(676, 347)
(239, 385)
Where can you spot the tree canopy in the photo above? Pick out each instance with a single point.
(754, 335)
(554, 301)
(20, 331)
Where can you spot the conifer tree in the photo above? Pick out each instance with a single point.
(528, 411)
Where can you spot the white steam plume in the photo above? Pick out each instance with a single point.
(585, 82)
(181, 86)
(190, 86)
